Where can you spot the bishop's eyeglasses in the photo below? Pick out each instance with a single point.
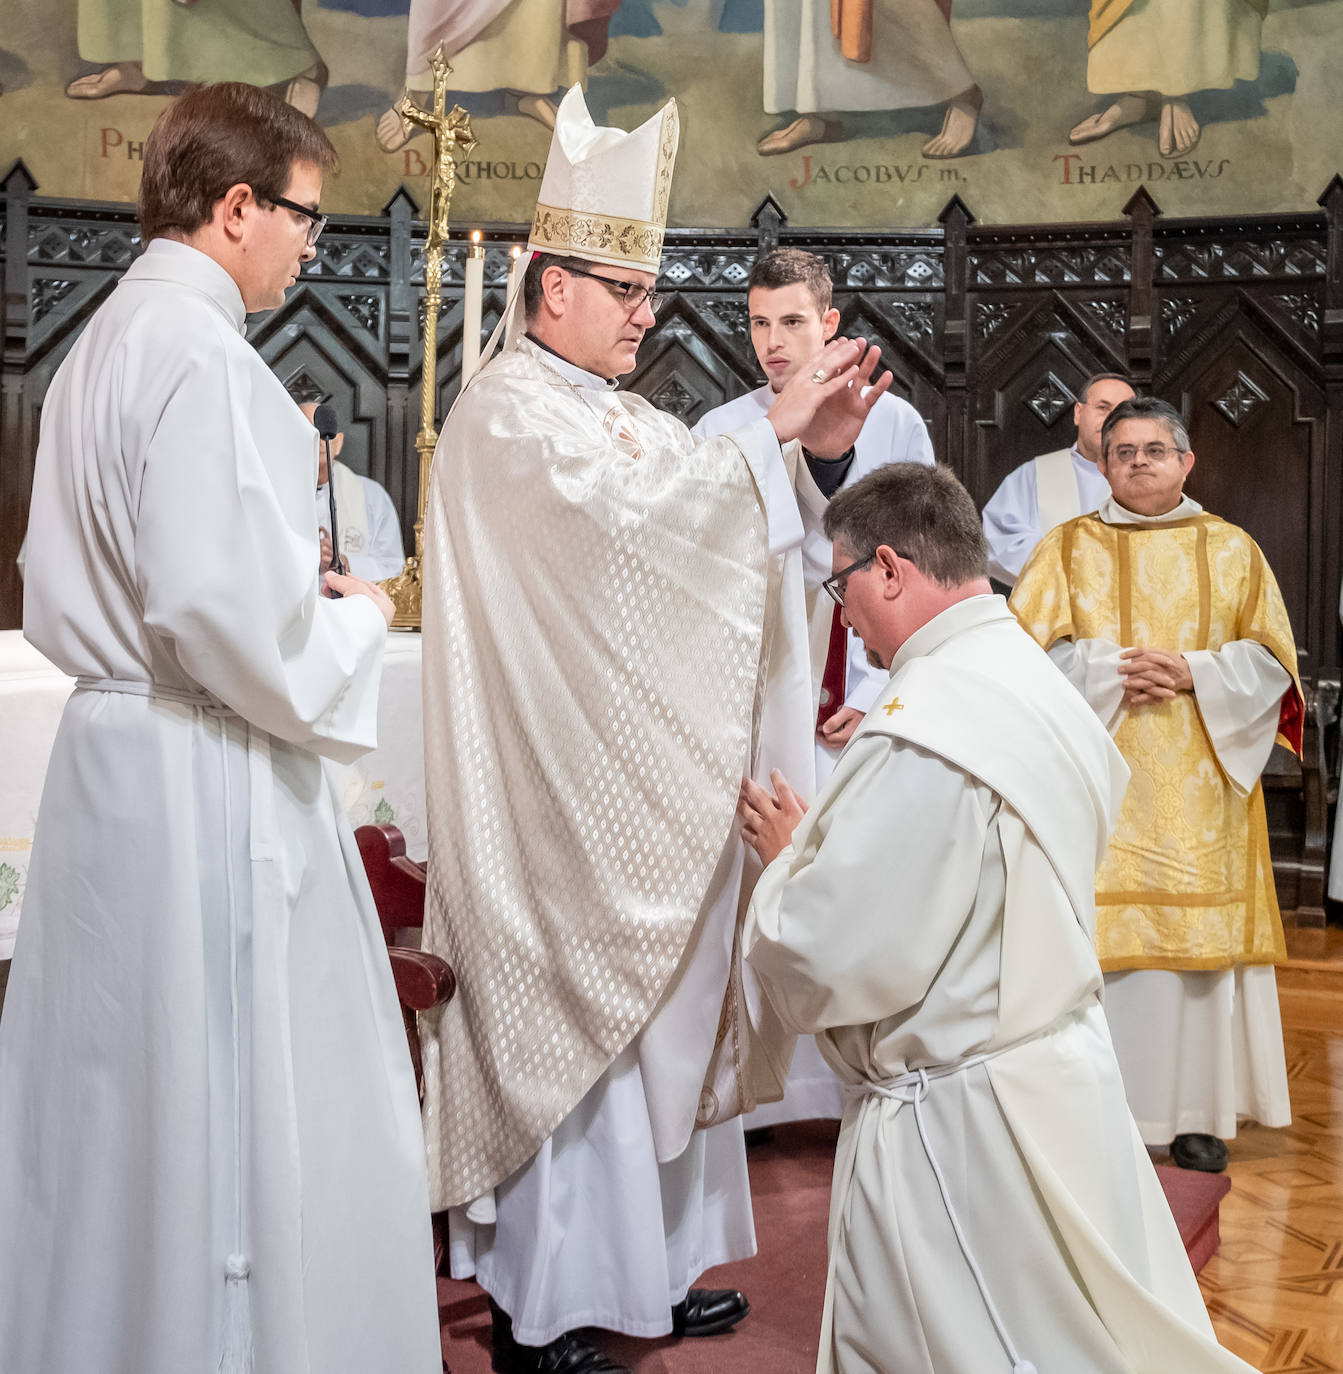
(316, 221)
(630, 293)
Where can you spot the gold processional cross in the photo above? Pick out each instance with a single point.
(453, 139)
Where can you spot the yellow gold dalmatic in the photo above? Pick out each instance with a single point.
(1187, 882)
(453, 139)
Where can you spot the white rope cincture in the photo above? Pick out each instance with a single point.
(236, 1349)
(912, 1088)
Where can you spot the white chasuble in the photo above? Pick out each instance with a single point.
(203, 1070)
(931, 923)
(603, 618)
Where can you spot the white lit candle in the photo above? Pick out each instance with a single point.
(471, 306)
(515, 272)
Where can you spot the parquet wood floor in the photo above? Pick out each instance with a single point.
(1275, 1289)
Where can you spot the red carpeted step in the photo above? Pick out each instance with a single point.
(1194, 1200)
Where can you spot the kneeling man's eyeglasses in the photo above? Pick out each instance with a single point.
(836, 586)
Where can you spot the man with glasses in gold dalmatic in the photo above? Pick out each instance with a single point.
(1170, 623)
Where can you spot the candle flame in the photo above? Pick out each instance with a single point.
(475, 236)
(517, 252)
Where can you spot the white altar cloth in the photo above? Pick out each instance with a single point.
(386, 786)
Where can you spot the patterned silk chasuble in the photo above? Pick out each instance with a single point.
(595, 590)
(1187, 882)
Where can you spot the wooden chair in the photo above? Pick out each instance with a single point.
(423, 980)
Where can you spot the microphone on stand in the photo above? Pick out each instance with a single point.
(324, 419)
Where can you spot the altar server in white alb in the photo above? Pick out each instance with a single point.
(930, 917)
(789, 297)
(366, 521)
(1040, 495)
(210, 1149)
(606, 601)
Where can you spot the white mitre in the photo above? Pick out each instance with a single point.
(605, 192)
(604, 196)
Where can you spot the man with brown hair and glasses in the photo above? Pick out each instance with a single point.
(210, 1148)
(1170, 623)
(930, 919)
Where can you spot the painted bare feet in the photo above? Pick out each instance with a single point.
(1128, 109)
(804, 130)
(121, 78)
(1179, 130)
(537, 107)
(394, 130)
(958, 125)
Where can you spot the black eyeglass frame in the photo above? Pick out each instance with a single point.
(624, 289)
(831, 583)
(318, 221)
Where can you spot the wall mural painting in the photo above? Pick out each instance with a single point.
(853, 113)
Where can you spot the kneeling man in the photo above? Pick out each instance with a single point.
(930, 919)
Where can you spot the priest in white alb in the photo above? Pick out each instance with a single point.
(1170, 623)
(930, 918)
(614, 635)
(1054, 487)
(210, 1149)
(792, 317)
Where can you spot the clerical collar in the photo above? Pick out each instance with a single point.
(171, 261)
(571, 372)
(1114, 514)
(969, 614)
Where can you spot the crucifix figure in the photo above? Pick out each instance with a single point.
(453, 139)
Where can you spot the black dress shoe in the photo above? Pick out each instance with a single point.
(708, 1311)
(567, 1354)
(1206, 1153)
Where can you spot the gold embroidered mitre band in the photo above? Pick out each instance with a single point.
(1187, 882)
(605, 192)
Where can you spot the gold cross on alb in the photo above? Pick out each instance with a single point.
(893, 705)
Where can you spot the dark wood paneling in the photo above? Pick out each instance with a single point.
(988, 332)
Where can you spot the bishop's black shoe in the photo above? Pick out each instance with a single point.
(708, 1311)
(1206, 1153)
(568, 1354)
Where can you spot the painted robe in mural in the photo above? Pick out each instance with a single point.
(530, 46)
(932, 914)
(915, 61)
(1173, 47)
(259, 41)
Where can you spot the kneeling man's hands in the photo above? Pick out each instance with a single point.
(769, 819)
